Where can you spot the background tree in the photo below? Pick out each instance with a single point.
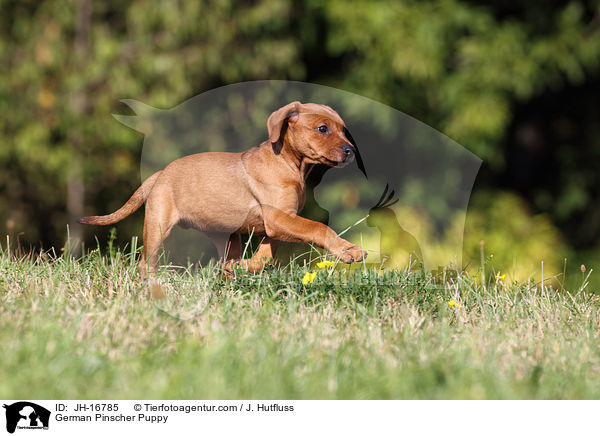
(516, 84)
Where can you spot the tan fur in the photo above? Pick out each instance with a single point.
(258, 191)
(133, 204)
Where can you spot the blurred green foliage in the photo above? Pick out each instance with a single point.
(516, 241)
(473, 70)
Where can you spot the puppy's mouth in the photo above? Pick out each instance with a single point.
(330, 162)
(340, 163)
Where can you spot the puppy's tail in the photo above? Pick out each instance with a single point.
(133, 204)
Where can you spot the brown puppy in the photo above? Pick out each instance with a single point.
(259, 191)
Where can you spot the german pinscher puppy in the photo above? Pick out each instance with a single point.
(259, 191)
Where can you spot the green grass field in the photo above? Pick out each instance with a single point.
(87, 329)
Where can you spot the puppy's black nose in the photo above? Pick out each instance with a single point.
(347, 150)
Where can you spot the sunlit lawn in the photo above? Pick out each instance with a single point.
(88, 329)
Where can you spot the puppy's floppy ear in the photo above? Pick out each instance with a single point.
(278, 123)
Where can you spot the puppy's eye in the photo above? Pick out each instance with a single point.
(323, 128)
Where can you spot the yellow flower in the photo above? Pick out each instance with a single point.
(309, 278)
(451, 303)
(325, 264)
(500, 277)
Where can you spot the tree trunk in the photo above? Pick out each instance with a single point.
(75, 187)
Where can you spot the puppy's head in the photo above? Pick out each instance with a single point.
(313, 131)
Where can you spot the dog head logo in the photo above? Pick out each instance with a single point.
(26, 415)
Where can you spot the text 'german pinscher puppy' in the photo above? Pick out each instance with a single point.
(259, 191)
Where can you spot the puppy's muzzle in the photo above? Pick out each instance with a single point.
(348, 152)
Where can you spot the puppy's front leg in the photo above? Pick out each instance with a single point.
(285, 226)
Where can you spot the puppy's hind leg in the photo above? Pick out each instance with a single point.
(160, 219)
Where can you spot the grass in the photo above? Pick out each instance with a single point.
(87, 329)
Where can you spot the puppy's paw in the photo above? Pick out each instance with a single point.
(352, 253)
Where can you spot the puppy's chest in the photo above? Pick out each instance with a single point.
(301, 200)
(289, 201)
(254, 222)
